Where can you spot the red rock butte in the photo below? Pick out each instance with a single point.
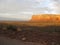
(46, 18)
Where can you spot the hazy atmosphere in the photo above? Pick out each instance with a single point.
(29, 22)
(24, 9)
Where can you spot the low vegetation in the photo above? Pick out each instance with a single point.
(30, 32)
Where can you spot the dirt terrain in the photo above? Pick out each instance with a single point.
(44, 35)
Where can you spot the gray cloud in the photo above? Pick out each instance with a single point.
(24, 9)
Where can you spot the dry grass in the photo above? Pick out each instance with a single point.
(31, 23)
(32, 32)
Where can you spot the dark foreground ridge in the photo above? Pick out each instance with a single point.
(48, 35)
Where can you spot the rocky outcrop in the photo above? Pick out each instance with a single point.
(46, 18)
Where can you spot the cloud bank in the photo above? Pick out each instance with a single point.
(24, 9)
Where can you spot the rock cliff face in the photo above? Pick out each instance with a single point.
(46, 18)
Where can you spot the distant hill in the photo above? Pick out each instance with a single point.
(46, 18)
(9, 19)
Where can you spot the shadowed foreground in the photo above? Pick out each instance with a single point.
(7, 41)
(29, 35)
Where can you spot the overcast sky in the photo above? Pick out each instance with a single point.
(24, 9)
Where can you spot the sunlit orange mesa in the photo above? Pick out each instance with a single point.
(46, 18)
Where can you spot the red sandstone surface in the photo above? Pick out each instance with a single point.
(46, 18)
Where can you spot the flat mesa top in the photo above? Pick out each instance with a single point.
(46, 18)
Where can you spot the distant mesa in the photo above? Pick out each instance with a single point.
(46, 18)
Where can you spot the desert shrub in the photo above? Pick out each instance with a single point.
(50, 29)
(1, 26)
(11, 27)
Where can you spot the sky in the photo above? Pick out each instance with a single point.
(24, 9)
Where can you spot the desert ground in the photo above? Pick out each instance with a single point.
(34, 32)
